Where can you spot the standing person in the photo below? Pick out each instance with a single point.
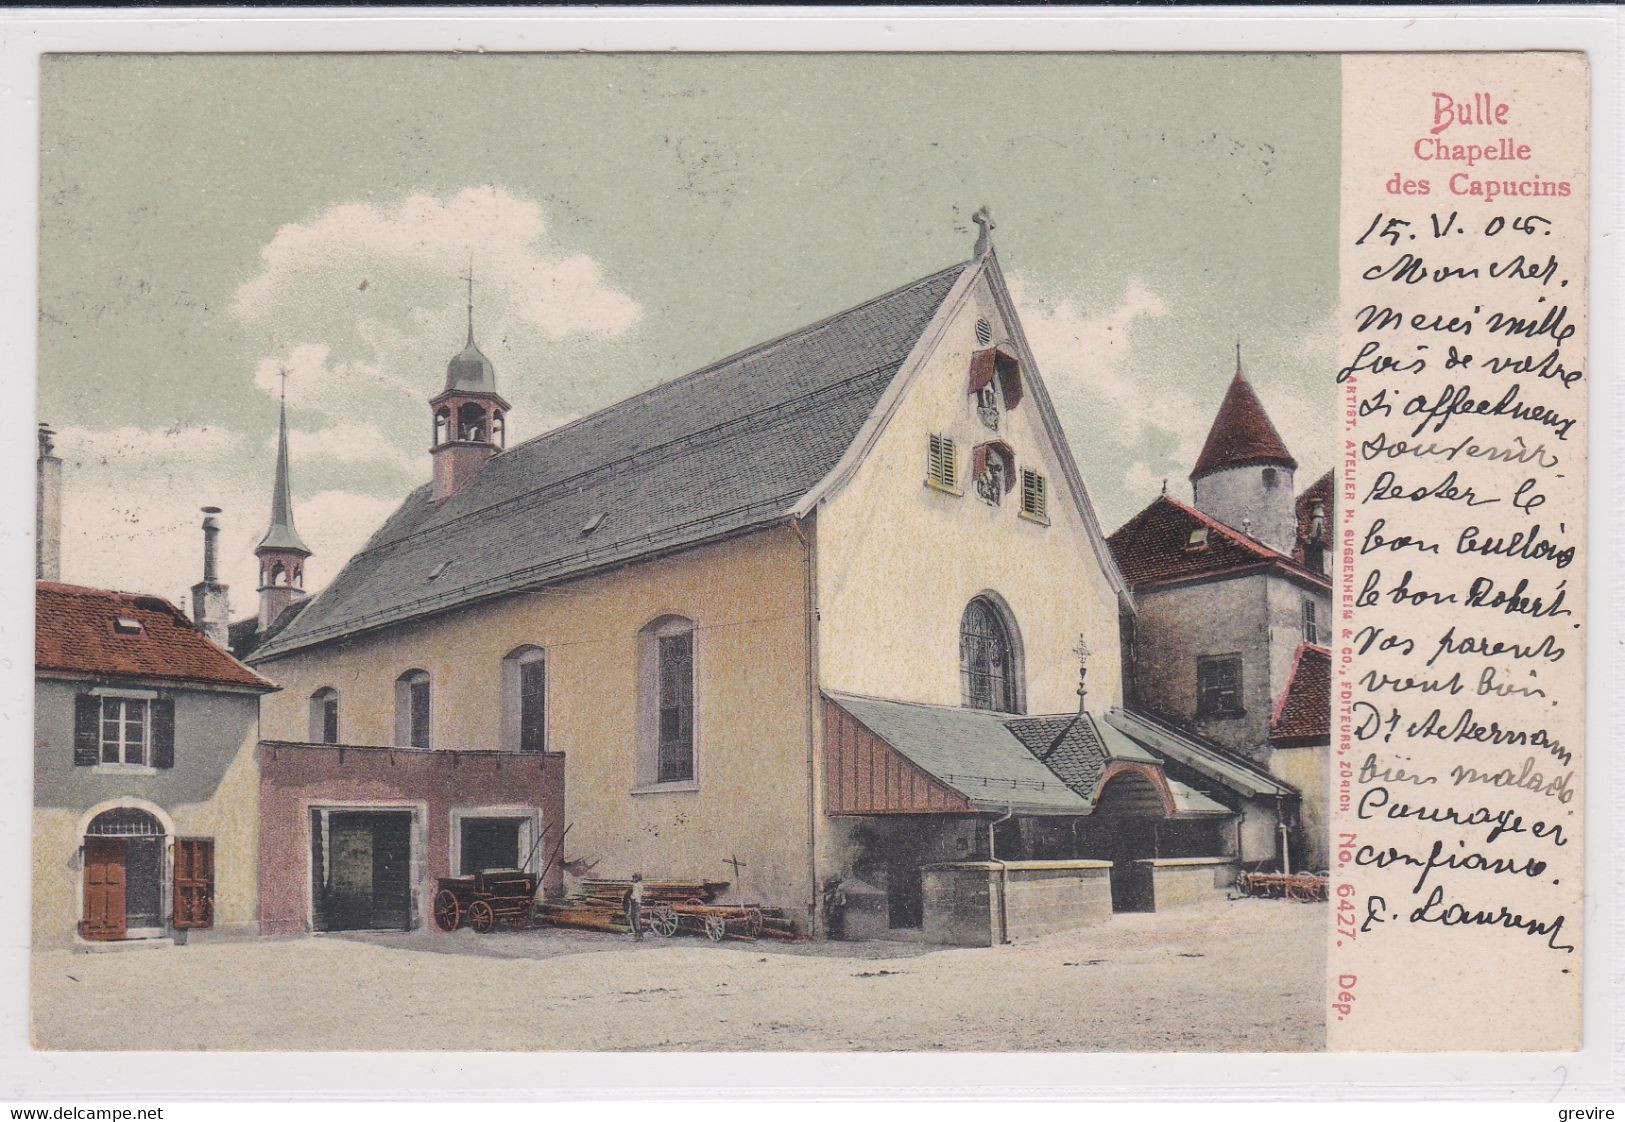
(634, 907)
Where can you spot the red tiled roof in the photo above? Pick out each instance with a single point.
(1305, 709)
(1319, 491)
(1241, 434)
(75, 631)
(1151, 547)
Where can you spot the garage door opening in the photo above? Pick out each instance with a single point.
(361, 863)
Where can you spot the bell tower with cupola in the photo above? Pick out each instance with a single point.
(282, 552)
(470, 417)
(1243, 477)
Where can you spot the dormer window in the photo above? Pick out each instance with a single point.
(123, 625)
(439, 570)
(1197, 542)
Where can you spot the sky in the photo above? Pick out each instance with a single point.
(209, 220)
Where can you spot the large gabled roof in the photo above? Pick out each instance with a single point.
(95, 633)
(728, 448)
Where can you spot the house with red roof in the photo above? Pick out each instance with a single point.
(1229, 640)
(146, 819)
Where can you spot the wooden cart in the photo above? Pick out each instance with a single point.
(484, 899)
(1304, 887)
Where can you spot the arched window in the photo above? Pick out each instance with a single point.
(524, 700)
(989, 658)
(666, 701)
(324, 716)
(412, 710)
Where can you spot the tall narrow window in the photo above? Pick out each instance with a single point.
(1218, 686)
(324, 716)
(524, 700)
(412, 709)
(988, 665)
(676, 707)
(1311, 626)
(666, 702)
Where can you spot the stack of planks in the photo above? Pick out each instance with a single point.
(601, 906)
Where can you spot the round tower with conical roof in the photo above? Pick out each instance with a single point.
(282, 552)
(470, 417)
(1243, 477)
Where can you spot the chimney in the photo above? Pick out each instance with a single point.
(48, 510)
(211, 601)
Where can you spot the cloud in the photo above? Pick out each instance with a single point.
(350, 443)
(131, 517)
(375, 294)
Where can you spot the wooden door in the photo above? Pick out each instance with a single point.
(104, 888)
(194, 883)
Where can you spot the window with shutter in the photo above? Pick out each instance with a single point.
(163, 732)
(87, 722)
(194, 883)
(324, 716)
(1311, 626)
(1034, 496)
(942, 463)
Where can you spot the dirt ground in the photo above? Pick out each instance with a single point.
(1243, 975)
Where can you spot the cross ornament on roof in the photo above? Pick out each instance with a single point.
(985, 224)
(1083, 652)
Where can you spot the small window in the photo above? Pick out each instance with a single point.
(1311, 626)
(592, 523)
(942, 463)
(984, 332)
(324, 716)
(1218, 686)
(412, 709)
(1270, 479)
(439, 570)
(1197, 541)
(126, 626)
(124, 731)
(1034, 496)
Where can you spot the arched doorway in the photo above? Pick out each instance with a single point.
(1127, 812)
(123, 875)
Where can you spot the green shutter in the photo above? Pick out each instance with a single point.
(163, 732)
(87, 722)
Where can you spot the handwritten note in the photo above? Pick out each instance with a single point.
(1460, 652)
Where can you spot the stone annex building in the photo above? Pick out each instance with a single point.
(831, 619)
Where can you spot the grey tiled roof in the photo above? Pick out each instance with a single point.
(970, 750)
(727, 448)
(1076, 748)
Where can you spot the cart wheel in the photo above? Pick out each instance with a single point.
(663, 922)
(481, 918)
(448, 915)
(715, 928)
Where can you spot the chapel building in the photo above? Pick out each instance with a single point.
(830, 619)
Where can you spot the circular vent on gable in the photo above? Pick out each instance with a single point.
(984, 332)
